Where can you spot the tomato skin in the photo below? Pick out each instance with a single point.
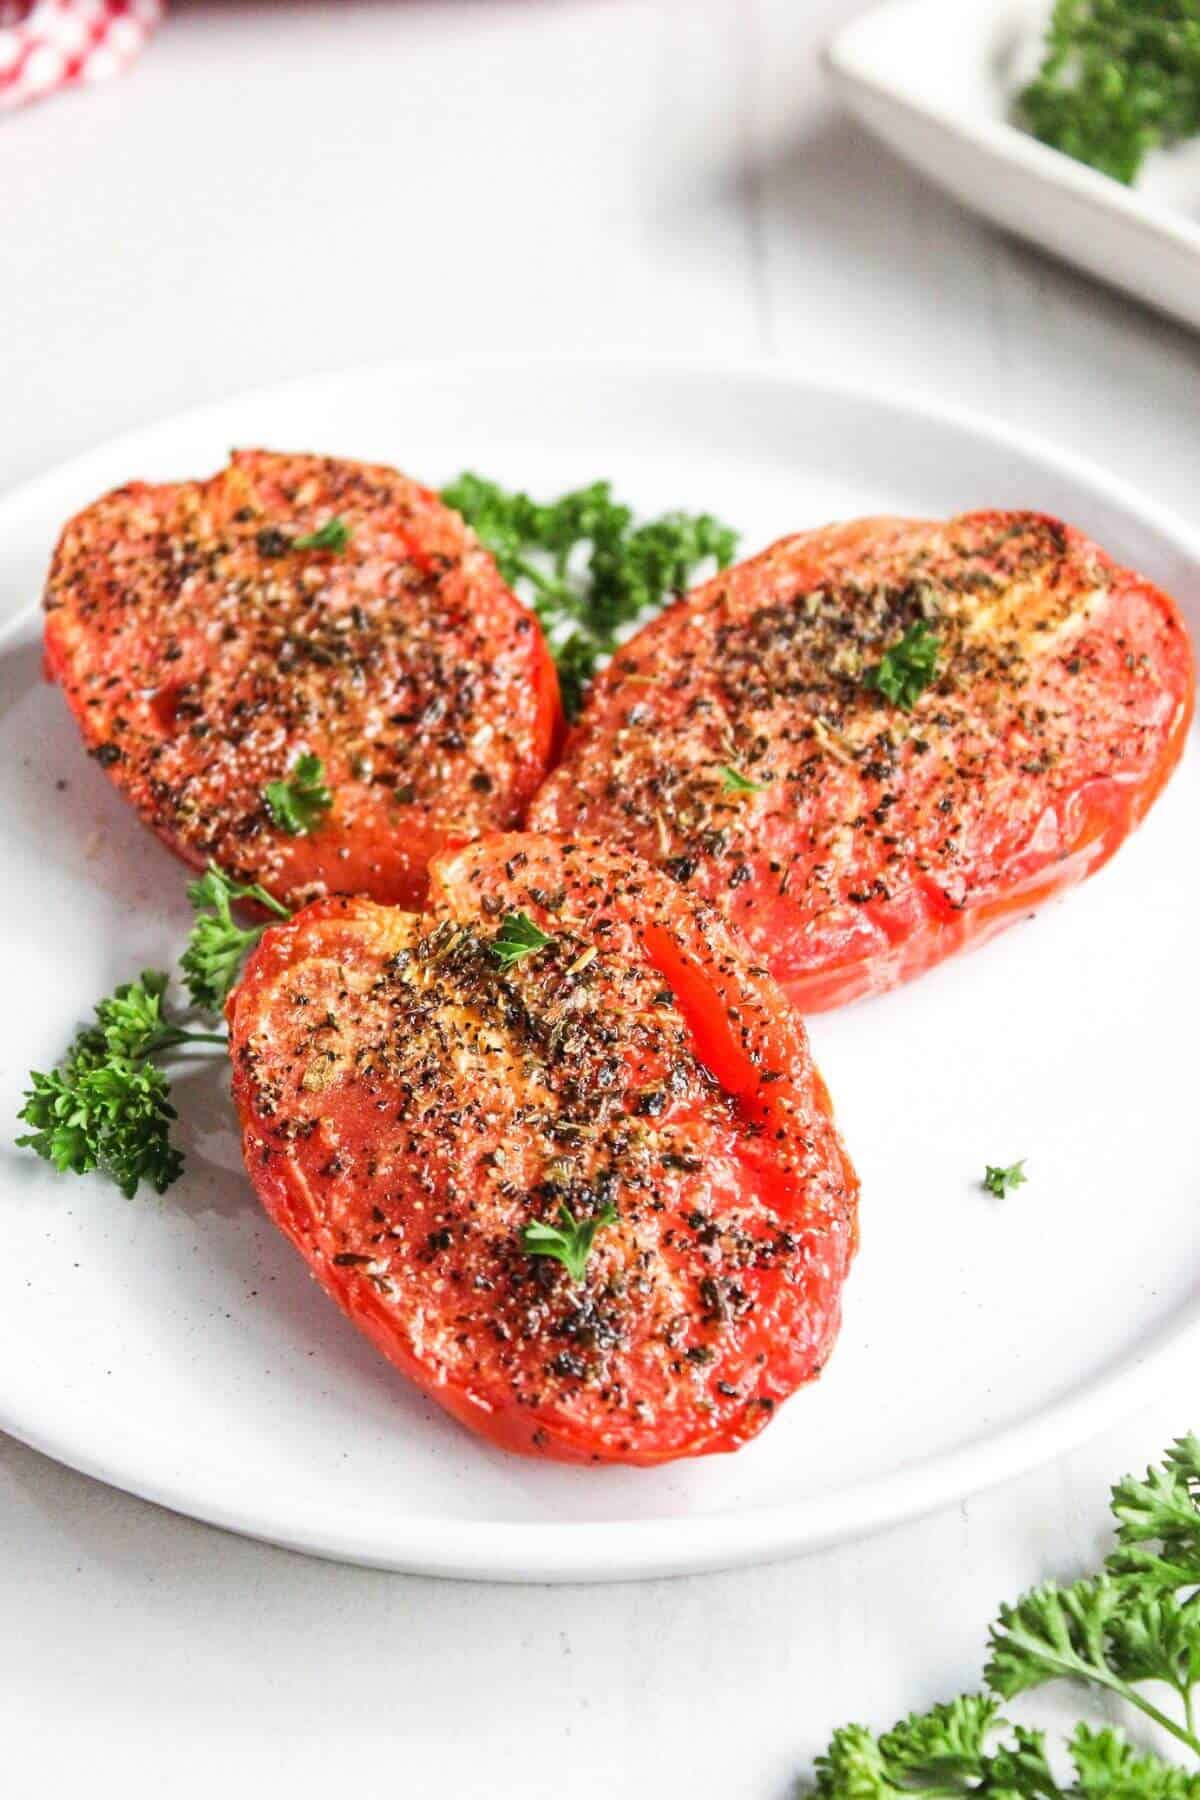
(875, 841)
(639, 1058)
(202, 654)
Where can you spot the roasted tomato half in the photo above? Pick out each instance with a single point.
(877, 743)
(425, 1114)
(207, 635)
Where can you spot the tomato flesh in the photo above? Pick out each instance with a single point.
(409, 1103)
(203, 653)
(736, 740)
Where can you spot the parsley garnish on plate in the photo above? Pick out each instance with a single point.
(583, 565)
(1001, 1181)
(298, 804)
(1118, 78)
(218, 945)
(517, 937)
(906, 670)
(335, 534)
(1130, 1630)
(570, 1241)
(107, 1105)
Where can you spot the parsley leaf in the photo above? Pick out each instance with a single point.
(570, 1241)
(943, 1749)
(907, 669)
(218, 944)
(116, 1117)
(298, 805)
(129, 1022)
(518, 936)
(1001, 1181)
(734, 782)
(583, 565)
(1137, 1620)
(942, 1754)
(1133, 1624)
(1109, 1768)
(107, 1106)
(335, 534)
(1117, 79)
(1051, 1632)
(1100, 1632)
(1164, 1507)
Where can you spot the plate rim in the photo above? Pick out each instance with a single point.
(632, 1549)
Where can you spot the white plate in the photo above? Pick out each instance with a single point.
(935, 80)
(178, 1349)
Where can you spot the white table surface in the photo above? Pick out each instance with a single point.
(284, 187)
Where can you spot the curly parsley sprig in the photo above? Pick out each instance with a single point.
(583, 565)
(218, 945)
(1118, 78)
(1137, 1620)
(1161, 1509)
(107, 1105)
(1132, 1625)
(948, 1753)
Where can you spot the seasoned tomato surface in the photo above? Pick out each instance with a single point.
(203, 653)
(411, 1103)
(738, 741)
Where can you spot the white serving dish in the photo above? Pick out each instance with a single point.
(934, 79)
(177, 1348)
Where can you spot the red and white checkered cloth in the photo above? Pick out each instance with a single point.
(49, 44)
